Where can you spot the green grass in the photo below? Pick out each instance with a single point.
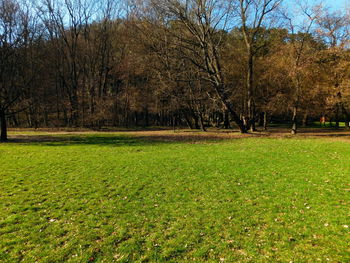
(113, 198)
(328, 124)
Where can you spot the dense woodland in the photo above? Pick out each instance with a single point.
(178, 63)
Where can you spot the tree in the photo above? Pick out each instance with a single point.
(199, 40)
(301, 56)
(17, 35)
(253, 14)
(68, 24)
(334, 29)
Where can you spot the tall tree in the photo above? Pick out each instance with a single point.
(254, 14)
(334, 29)
(200, 39)
(300, 36)
(68, 22)
(17, 35)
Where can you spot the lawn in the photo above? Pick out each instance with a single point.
(114, 197)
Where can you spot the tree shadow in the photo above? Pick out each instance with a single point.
(333, 135)
(145, 138)
(74, 140)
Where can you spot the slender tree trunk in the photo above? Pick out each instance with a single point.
(347, 117)
(65, 117)
(265, 121)
(220, 91)
(226, 120)
(75, 109)
(57, 103)
(196, 120)
(305, 119)
(201, 121)
(187, 119)
(146, 117)
(261, 119)
(136, 119)
(252, 126)
(347, 124)
(46, 118)
(294, 120)
(174, 123)
(236, 118)
(14, 120)
(250, 91)
(188, 122)
(29, 119)
(218, 119)
(337, 115)
(3, 124)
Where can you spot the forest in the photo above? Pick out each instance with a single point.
(227, 64)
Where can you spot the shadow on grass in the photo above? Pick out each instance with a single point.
(69, 140)
(347, 135)
(130, 139)
(116, 140)
(147, 138)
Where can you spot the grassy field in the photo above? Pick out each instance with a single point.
(119, 198)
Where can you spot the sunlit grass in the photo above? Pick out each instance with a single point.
(112, 197)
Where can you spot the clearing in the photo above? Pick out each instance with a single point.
(161, 196)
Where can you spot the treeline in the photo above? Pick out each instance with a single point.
(195, 63)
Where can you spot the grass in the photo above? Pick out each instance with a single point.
(329, 124)
(117, 198)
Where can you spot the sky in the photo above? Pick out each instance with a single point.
(331, 5)
(336, 4)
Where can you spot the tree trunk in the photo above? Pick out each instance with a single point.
(187, 119)
(337, 116)
(294, 120)
(146, 117)
(46, 118)
(236, 119)
(347, 121)
(347, 117)
(188, 122)
(174, 123)
(347, 124)
(3, 136)
(261, 119)
(252, 127)
(14, 120)
(265, 121)
(196, 120)
(226, 120)
(136, 119)
(305, 120)
(65, 117)
(250, 91)
(75, 112)
(220, 91)
(201, 121)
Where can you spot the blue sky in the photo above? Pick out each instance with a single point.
(337, 4)
(333, 5)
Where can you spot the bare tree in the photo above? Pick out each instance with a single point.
(254, 14)
(300, 34)
(17, 35)
(199, 37)
(334, 29)
(67, 22)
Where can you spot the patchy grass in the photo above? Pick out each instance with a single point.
(119, 198)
